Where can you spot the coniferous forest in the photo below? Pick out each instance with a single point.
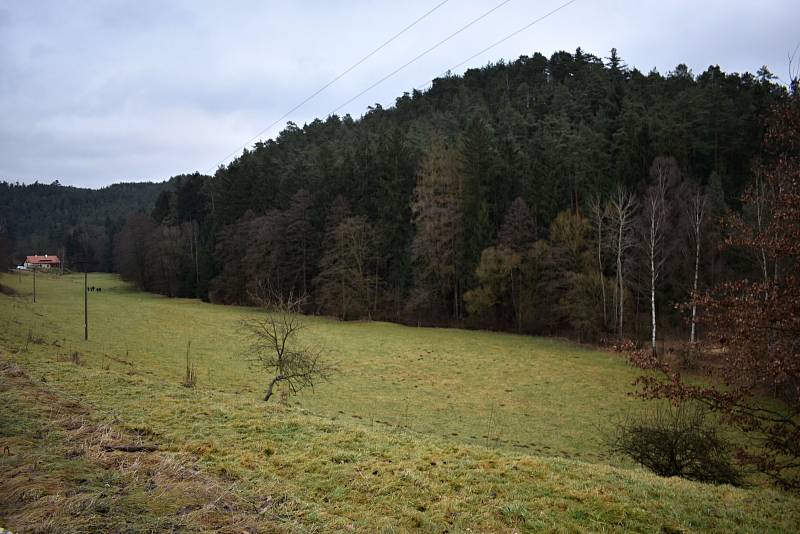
(69, 222)
(570, 195)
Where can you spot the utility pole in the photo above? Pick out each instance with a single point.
(34, 285)
(85, 304)
(83, 262)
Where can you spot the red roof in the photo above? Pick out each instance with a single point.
(42, 260)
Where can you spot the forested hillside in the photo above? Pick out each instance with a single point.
(540, 195)
(54, 219)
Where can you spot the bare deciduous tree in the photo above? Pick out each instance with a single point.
(696, 214)
(274, 345)
(599, 213)
(622, 207)
(664, 172)
(752, 327)
(761, 198)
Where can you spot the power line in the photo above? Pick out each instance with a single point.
(426, 52)
(416, 58)
(504, 39)
(337, 78)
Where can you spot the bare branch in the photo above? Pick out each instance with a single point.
(273, 343)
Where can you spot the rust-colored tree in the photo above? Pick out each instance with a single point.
(752, 327)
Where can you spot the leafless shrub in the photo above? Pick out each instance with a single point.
(273, 343)
(676, 440)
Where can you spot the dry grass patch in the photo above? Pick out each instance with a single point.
(56, 453)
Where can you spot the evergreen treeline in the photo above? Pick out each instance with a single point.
(68, 221)
(521, 195)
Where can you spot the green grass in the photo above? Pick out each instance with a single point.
(534, 399)
(522, 393)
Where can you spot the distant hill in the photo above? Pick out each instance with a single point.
(512, 155)
(39, 218)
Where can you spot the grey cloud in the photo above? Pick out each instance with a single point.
(96, 92)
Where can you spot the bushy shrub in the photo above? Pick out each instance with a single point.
(676, 440)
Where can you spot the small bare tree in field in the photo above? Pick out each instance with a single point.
(274, 345)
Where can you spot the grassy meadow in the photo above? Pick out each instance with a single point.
(432, 429)
(539, 395)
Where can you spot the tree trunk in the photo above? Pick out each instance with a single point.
(271, 386)
(195, 239)
(653, 305)
(455, 299)
(305, 275)
(341, 295)
(698, 210)
(620, 283)
(375, 296)
(600, 269)
(516, 304)
(694, 286)
(760, 223)
(653, 241)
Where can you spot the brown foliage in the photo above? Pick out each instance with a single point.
(753, 326)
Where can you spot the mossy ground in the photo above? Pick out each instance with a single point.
(430, 429)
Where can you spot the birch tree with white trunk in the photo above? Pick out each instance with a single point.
(663, 172)
(622, 208)
(695, 213)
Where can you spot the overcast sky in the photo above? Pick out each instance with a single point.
(93, 93)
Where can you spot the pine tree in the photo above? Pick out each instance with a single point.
(299, 242)
(479, 207)
(437, 215)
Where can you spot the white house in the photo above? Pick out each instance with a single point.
(41, 262)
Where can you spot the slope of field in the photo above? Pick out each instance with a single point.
(506, 391)
(225, 460)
